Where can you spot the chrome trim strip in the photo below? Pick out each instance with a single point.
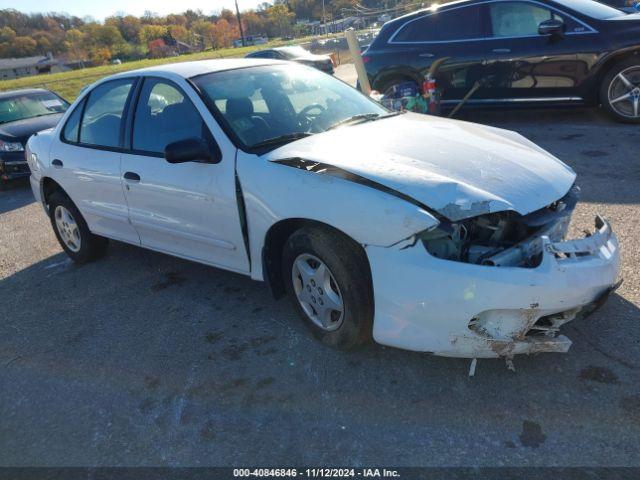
(518, 100)
(391, 41)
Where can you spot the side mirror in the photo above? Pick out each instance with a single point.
(190, 150)
(552, 27)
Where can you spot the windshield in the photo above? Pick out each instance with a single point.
(591, 8)
(282, 102)
(29, 105)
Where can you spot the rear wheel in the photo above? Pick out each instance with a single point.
(620, 91)
(386, 85)
(72, 232)
(328, 280)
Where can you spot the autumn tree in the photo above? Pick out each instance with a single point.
(128, 25)
(205, 33)
(151, 32)
(253, 23)
(179, 33)
(224, 33)
(75, 40)
(281, 18)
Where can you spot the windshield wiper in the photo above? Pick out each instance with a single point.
(280, 140)
(361, 118)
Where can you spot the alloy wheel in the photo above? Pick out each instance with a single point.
(317, 291)
(67, 228)
(624, 93)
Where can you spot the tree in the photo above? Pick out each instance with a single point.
(7, 34)
(228, 15)
(205, 32)
(158, 49)
(75, 42)
(253, 23)
(179, 33)
(44, 41)
(151, 32)
(224, 34)
(100, 55)
(281, 18)
(128, 25)
(174, 19)
(22, 47)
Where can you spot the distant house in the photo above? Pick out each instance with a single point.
(26, 66)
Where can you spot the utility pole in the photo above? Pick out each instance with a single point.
(240, 24)
(324, 20)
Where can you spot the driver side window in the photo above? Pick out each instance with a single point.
(165, 115)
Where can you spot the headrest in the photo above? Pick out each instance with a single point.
(239, 107)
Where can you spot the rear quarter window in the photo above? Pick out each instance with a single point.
(448, 25)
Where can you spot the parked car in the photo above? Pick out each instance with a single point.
(296, 54)
(22, 113)
(523, 52)
(420, 232)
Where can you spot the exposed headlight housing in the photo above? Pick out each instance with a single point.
(11, 146)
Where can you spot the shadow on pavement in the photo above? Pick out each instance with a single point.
(189, 362)
(15, 194)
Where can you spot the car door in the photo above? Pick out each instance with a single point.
(86, 162)
(525, 65)
(185, 209)
(448, 41)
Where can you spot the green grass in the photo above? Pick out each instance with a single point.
(69, 84)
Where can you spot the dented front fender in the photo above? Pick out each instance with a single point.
(274, 192)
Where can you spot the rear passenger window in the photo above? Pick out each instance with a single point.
(104, 112)
(164, 115)
(72, 127)
(449, 25)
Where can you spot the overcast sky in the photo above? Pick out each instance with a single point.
(99, 9)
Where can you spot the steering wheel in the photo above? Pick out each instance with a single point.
(307, 116)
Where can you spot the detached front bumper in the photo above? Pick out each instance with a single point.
(458, 309)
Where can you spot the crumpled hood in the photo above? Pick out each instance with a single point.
(458, 169)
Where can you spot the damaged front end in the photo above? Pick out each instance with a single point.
(495, 285)
(502, 238)
(498, 283)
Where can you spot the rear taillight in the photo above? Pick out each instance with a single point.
(365, 59)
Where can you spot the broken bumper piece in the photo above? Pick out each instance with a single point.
(457, 309)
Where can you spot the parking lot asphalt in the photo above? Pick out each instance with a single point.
(144, 359)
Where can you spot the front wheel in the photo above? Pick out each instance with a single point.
(329, 282)
(72, 232)
(620, 91)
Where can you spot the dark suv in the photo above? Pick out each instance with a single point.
(520, 51)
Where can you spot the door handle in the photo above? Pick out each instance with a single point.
(501, 50)
(132, 176)
(428, 55)
(57, 163)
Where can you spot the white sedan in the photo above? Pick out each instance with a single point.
(421, 233)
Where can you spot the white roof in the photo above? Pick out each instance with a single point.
(191, 69)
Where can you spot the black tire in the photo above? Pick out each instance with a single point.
(350, 269)
(91, 246)
(630, 65)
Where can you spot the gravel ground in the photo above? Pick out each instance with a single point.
(143, 359)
